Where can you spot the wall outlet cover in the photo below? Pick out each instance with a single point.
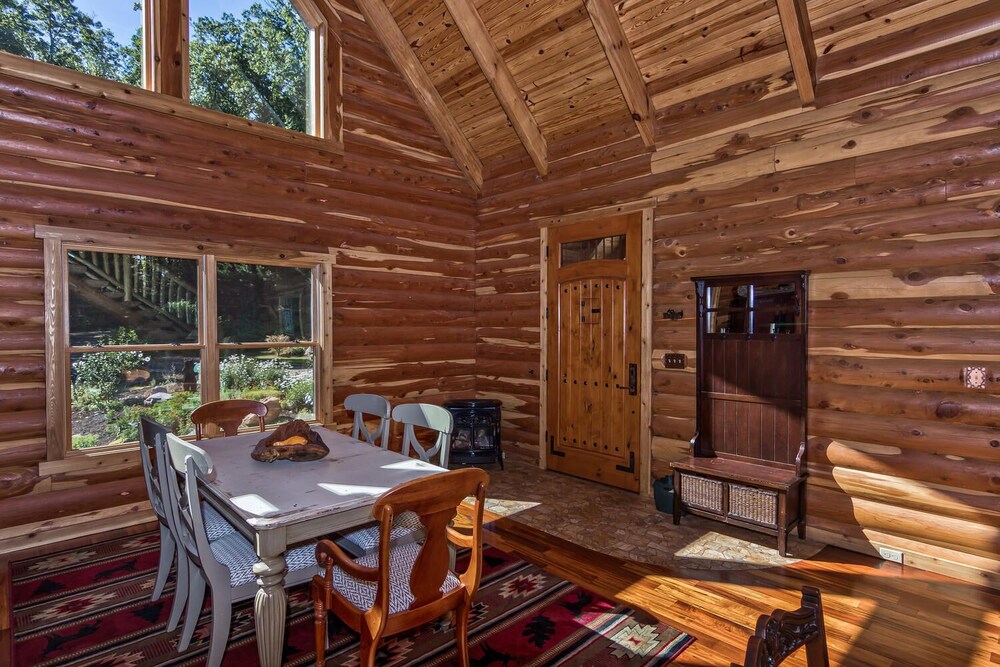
(892, 555)
(975, 377)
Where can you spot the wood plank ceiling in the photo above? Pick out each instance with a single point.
(519, 79)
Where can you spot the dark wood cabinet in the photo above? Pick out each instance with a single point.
(748, 462)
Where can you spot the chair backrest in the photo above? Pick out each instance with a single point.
(435, 499)
(152, 441)
(376, 406)
(428, 416)
(227, 415)
(195, 466)
(781, 633)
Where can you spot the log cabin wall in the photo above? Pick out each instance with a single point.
(395, 212)
(890, 199)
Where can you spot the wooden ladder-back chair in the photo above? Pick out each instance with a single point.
(428, 416)
(781, 633)
(227, 415)
(403, 587)
(225, 564)
(375, 406)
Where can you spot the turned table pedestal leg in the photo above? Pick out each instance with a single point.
(270, 607)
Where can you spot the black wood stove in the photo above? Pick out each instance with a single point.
(476, 438)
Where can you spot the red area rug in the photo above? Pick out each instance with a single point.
(91, 607)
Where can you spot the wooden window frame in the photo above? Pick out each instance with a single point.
(166, 79)
(59, 241)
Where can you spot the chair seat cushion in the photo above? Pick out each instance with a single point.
(401, 559)
(216, 525)
(365, 540)
(236, 553)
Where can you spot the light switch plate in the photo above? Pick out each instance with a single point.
(974, 377)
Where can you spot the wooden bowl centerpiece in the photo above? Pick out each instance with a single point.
(294, 441)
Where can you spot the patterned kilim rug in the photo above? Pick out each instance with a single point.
(91, 607)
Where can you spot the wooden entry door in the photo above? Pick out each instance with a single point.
(593, 350)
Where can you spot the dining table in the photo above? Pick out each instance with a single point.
(285, 503)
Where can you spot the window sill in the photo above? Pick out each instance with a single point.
(92, 86)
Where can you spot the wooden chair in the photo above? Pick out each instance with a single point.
(781, 633)
(405, 586)
(225, 564)
(227, 415)
(375, 406)
(428, 416)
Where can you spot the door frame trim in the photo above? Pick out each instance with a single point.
(645, 207)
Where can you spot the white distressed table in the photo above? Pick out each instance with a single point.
(281, 503)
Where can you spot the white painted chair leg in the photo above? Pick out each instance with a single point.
(196, 596)
(180, 591)
(222, 617)
(167, 551)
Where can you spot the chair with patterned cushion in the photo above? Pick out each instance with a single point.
(153, 452)
(373, 405)
(425, 415)
(402, 587)
(228, 415)
(225, 564)
(406, 528)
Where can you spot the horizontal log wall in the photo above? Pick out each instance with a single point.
(891, 200)
(395, 212)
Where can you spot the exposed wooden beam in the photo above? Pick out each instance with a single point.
(378, 17)
(511, 98)
(801, 47)
(623, 64)
(165, 60)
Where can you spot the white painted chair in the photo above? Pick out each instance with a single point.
(157, 469)
(375, 406)
(406, 527)
(225, 564)
(427, 416)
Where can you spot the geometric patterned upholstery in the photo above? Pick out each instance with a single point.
(366, 539)
(401, 559)
(236, 553)
(215, 524)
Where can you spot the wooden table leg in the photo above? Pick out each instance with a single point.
(270, 607)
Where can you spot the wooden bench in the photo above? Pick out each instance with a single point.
(754, 495)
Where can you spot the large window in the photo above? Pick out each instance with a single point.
(254, 64)
(97, 37)
(157, 333)
(273, 62)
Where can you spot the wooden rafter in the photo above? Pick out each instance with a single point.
(495, 69)
(382, 23)
(623, 64)
(801, 47)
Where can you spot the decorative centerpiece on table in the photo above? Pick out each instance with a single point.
(292, 441)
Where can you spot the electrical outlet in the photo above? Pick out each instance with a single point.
(891, 555)
(974, 377)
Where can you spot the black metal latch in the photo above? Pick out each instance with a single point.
(633, 379)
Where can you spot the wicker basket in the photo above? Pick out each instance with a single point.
(701, 492)
(757, 505)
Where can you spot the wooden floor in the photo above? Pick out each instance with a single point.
(877, 613)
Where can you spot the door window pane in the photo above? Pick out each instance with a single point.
(284, 382)
(607, 247)
(124, 299)
(263, 303)
(111, 390)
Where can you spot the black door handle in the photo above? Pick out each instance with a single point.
(633, 379)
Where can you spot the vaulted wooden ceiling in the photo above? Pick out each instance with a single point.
(516, 80)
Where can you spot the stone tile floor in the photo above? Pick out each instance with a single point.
(622, 524)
